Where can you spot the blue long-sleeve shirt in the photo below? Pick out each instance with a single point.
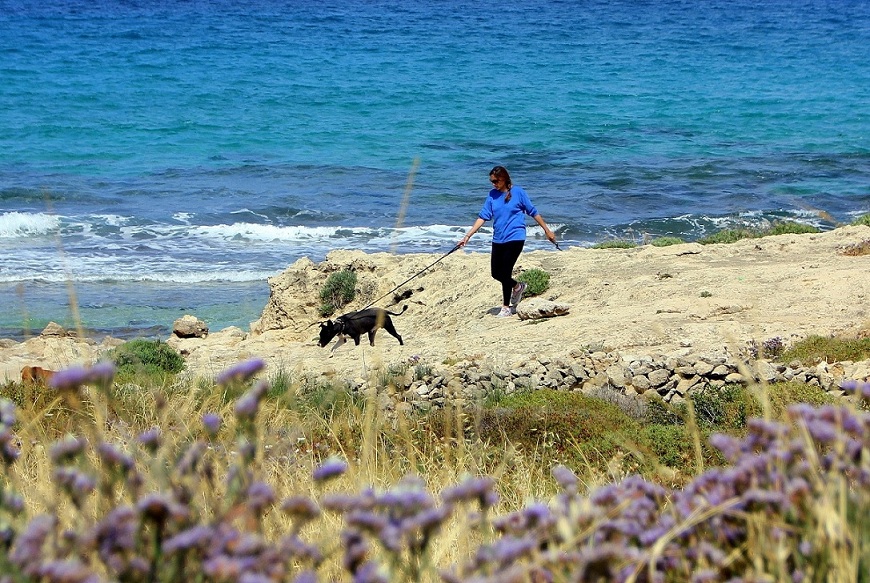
(508, 218)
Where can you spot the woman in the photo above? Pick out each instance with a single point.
(506, 206)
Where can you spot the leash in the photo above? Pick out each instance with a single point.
(413, 276)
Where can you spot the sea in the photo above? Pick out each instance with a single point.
(166, 157)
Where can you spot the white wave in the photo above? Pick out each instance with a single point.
(16, 224)
(299, 233)
(88, 276)
(113, 220)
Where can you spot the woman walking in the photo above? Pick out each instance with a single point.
(507, 206)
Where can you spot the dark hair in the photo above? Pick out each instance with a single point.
(502, 173)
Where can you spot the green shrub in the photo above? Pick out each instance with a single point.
(538, 281)
(674, 446)
(727, 236)
(788, 228)
(666, 241)
(814, 349)
(781, 395)
(338, 291)
(615, 244)
(671, 445)
(777, 228)
(577, 430)
(660, 413)
(148, 357)
(862, 220)
(723, 408)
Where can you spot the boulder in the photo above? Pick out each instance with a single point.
(190, 327)
(537, 308)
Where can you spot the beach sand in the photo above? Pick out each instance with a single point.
(681, 300)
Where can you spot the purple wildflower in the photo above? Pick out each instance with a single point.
(858, 388)
(150, 439)
(68, 571)
(7, 412)
(331, 468)
(12, 502)
(70, 379)
(295, 547)
(565, 478)
(254, 578)
(366, 521)
(480, 489)
(260, 496)
(508, 549)
(101, 373)
(9, 449)
(305, 577)
(247, 405)
(196, 537)
(212, 423)
(66, 450)
(111, 455)
(27, 553)
(343, 503)
(241, 372)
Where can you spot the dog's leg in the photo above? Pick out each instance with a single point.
(388, 326)
(372, 336)
(341, 340)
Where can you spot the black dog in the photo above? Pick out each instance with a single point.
(355, 324)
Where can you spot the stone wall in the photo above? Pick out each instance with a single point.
(671, 378)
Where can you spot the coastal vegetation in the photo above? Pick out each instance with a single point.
(339, 290)
(300, 479)
(537, 280)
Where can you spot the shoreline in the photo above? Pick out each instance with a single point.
(683, 300)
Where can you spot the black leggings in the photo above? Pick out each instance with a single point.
(504, 257)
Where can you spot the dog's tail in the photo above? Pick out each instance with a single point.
(405, 307)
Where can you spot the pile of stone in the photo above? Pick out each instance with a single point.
(671, 378)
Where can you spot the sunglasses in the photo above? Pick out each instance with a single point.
(494, 180)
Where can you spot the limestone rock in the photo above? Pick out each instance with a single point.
(537, 308)
(190, 327)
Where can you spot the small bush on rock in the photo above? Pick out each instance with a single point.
(538, 281)
(666, 241)
(615, 244)
(339, 290)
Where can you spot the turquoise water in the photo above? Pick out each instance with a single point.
(167, 157)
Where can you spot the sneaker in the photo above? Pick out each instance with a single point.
(517, 293)
(504, 313)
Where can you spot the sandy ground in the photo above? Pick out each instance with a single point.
(678, 300)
